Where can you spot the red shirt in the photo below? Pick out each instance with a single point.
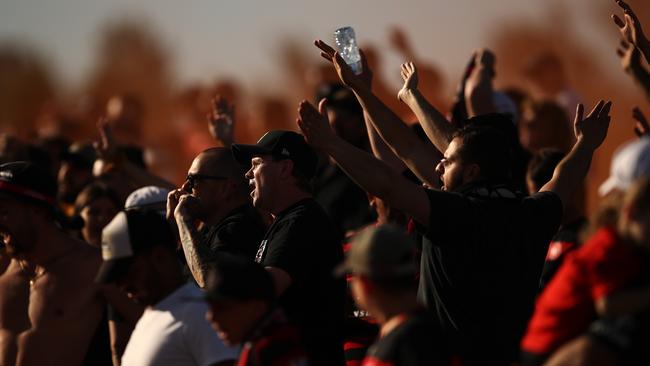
(567, 306)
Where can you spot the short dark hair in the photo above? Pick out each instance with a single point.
(487, 147)
(238, 278)
(302, 182)
(95, 191)
(542, 165)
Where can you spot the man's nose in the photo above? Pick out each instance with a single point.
(187, 186)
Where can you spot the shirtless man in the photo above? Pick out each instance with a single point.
(49, 304)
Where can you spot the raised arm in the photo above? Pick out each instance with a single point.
(590, 133)
(631, 30)
(378, 146)
(110, 158)
(197, 253)
(631, 63)
(435, 125)
(221, 121)
(399, 137)
(374, 176)
(479, 90)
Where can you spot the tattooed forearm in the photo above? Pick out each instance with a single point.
(197, 254)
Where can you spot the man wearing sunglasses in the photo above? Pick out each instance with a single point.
(213, 212)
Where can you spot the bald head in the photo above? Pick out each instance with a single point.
(219, 161)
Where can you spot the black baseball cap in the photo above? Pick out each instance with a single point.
(28, 181)
(283, 145)
(130, 233)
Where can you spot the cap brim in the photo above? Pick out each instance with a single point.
(609, 185)
(111, 270)
(244, 153)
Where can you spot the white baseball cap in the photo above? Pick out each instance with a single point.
(630, 162)
(146, 197)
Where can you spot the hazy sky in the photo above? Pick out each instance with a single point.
(208, 38)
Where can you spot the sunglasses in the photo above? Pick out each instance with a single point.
(193, 178)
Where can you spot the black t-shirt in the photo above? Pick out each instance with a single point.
(239, 233)
(481, 262)
(302, 242)
(415, 341)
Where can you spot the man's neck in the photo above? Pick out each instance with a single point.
(218, 215)
(50, 243)
(290, 198)
(174, 282)
(390, 313)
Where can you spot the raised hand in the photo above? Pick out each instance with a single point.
(106, 147)
(344, 71)
(630, 29)
(592, 130)
(410, 76)
(641, 127)
(221, 120)
(366, 73)
(629, 55)
(314, 124)
(187, 207)
(172, 202)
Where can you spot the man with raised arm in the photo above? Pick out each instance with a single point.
(213, 213)
(300, 249)
(49, 305)
(484, 244)
(633, 45)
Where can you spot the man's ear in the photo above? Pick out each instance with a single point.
(286, 169)
(472, 173)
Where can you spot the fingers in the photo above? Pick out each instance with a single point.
(623, 5)
(604, 112)
(364, 60)
(328, 51)
(307, 111)
(322, 107)
(326, 56)
(102, 123)
(619, 23)
(597, 108)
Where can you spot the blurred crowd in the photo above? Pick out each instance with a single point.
(369, 227)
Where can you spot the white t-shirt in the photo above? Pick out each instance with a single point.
(175, 332)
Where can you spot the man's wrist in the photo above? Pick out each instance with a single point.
(410, 96)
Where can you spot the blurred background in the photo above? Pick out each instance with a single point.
(157, 63)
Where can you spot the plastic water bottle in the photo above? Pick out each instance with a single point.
(347, 45)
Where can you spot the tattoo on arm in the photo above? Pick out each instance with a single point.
(197, 253)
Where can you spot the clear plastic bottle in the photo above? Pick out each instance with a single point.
(347, 45)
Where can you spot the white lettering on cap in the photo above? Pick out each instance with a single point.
(6, 175)
(285, 151)
(115, 239)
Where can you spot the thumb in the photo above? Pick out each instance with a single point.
(580, 109)
(322, 107)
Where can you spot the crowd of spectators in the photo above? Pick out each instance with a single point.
(358, 238)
